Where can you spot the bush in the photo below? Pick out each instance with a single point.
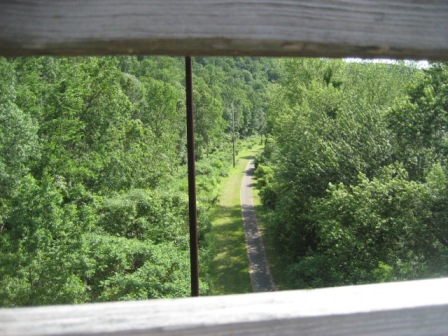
(375, 231)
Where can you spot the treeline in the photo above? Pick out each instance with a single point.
(93, 203)
(354, 173)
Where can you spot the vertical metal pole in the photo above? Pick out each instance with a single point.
(194, 263)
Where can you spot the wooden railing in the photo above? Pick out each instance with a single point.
(327, 28)
(412, 29)
(406, 308)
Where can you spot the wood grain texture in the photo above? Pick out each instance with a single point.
(409, 308)
(325, 28)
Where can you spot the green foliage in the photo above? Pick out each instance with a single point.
(143, 215)
(19, 146)
(437, 186)
(373, 227)
(93, 203)
(40, 250)
(265, 175)
(356, 186)
(92, 171)
(419, 123)
(130, 269)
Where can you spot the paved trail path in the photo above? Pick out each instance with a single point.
(260, 275)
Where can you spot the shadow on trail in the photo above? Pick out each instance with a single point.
(250, 171)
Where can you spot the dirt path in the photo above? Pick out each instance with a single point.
(260, 275)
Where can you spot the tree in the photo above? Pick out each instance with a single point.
(327, 129)
(208, 120)
(40, 247)
(92, 172)
(371, 232)
(419, 121)
(19, 146)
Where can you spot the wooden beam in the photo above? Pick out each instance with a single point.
(408, 308)
(412, 29)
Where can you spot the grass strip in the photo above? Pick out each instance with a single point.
(230, 268)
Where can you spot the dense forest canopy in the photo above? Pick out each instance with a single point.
(93, 203)
(354, 173)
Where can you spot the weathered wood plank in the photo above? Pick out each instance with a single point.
(409, 308)
(328, 28)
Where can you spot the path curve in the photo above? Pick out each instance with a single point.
(260, 276)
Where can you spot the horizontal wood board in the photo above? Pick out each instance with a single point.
(414, 29)
(407, 308)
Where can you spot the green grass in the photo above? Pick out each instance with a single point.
(230, 269)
